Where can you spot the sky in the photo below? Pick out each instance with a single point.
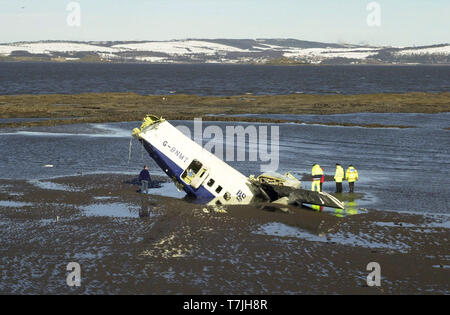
(401, 22)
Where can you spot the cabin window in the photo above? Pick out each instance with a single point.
(218, 189)
(227, 196)
(192, 170)
(211, 182)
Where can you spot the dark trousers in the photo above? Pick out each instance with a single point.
(351, 186)
(338, 187)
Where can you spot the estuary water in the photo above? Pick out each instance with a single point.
(201, 79)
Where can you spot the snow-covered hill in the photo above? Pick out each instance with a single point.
(432, 50)
(222, 51)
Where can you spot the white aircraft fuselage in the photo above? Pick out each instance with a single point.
(210, 180)
(196, 170)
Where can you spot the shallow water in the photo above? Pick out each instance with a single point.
(168, 190)
(433, 121)
(116, 209)
(400, 169)
(442, 266)
(14, 204)
(52, 185)
(349, 239)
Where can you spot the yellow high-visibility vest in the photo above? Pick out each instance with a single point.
(351, 175)
(316, 171)
(339, 175)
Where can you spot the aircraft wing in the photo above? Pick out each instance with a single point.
(300, 196)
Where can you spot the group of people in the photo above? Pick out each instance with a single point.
(318, 177)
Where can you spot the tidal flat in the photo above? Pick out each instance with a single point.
(59, 109)
(127, 243)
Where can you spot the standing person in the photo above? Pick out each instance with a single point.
(316, 173)
(351, 176)
(322, 179)
(339, 177)
(144, 178)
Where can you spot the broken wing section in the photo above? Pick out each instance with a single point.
(276, 192)
(315, 198)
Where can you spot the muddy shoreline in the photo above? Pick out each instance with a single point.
(130, 243)
(114, 107)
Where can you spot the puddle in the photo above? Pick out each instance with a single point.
(104, 197)
(366, 241)
(88, 256)
(6, 190)
(392, 224)
(116, 210)
(49, 221)
(167, 190)
(441, 266)
(444, 224)
(52, 186)
(17, 194)
(14, 204)
(283, 230)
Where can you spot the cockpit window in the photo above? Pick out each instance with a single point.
(191, 171)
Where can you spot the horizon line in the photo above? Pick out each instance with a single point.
(223, 38)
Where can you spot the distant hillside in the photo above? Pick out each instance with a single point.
(226, 51)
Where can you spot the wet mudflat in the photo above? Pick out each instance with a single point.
(126, 242)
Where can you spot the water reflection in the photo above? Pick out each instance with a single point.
(339, 213)
(351, 208)
(144, 209)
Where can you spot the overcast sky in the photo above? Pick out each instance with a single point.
(402, 22)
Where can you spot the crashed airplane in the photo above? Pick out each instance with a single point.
(210, 180)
